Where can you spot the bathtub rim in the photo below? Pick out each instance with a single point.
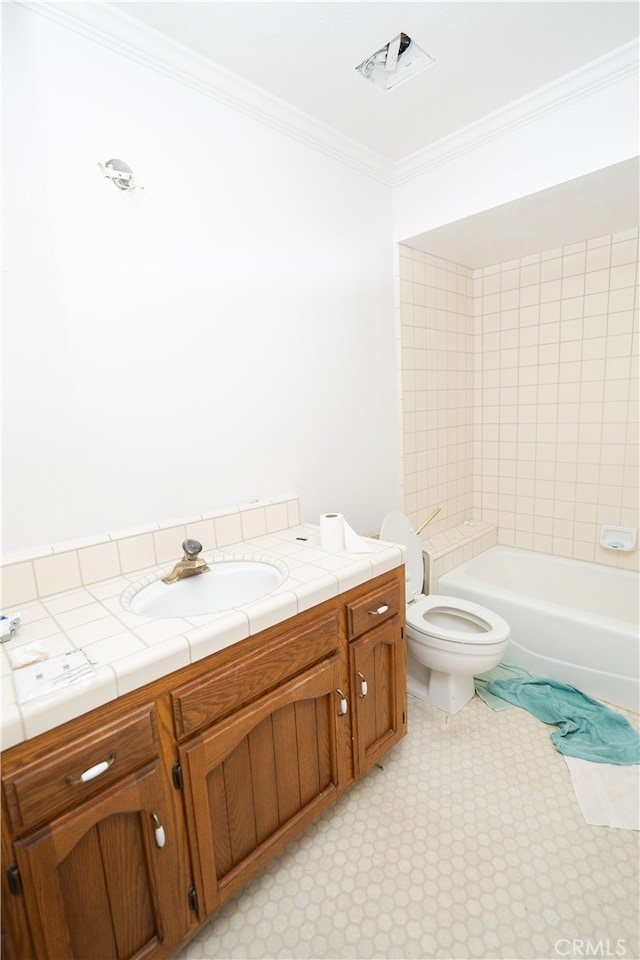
(462, 571)
(620, 689)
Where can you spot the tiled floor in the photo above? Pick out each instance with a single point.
(469, 843)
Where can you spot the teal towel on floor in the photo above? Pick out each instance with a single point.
(504, 671)
(587, 729)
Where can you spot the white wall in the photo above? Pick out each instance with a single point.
(531, 146)
(225, 334)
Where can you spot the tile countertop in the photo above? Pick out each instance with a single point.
(129, 650)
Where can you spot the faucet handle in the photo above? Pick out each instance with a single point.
(191, 549)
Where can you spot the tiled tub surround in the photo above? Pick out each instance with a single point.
(452, 547)
(519, 394)
(87, 611)
(556, 381)
(435, 347)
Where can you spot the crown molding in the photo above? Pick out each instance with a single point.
(595, 76)
(99, 21)
(102, 23)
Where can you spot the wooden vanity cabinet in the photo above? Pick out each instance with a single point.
(98, 861)
(125, 829)
(254, 781)
(272, 751)
(95, 882)
(15, 941)
(378, 673)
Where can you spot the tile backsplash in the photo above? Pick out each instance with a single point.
(520, 394)
(65, 566)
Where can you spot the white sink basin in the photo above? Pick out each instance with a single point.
(228, 583)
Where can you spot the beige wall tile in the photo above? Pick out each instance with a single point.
(57, 573)
(18, 585)
(203, 531)
(549, 377)
(168, 544)
(228, 529)
(100, 562)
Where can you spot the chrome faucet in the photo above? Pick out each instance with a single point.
(190, 564)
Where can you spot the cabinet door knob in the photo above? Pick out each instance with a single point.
(92, 772)
(343, 704)
(14, 880)
(379, 611)
(363, 686)
(159, 830)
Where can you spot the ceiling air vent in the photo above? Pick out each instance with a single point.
(395, 63)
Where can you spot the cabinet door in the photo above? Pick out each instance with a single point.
(258, 777)
(97, 885)
(378, 684)
(16, 939)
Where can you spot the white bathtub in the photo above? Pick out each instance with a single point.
(574, 621)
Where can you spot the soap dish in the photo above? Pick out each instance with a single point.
(618, 538)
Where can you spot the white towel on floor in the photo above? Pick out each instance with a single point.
(608, 794)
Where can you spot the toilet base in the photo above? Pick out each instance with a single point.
(446, 691)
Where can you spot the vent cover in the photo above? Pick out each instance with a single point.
(395, 63)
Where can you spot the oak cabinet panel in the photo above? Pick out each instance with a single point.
(96, 884)
(378, 684)
(226, 689)
(254, 780)
(56, 780)
(374, 608)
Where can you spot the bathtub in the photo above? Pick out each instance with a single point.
(574, 621)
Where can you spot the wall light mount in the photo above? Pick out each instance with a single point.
(395, 63)
(119, 173)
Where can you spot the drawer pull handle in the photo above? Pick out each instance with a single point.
(379, 611)
(159, 830)
(94, 771)
(363, 687)
(343, 704)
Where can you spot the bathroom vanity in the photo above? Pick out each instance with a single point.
(125, 828)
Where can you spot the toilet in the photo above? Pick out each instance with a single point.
(449, 639)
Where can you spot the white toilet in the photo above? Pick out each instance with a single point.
(449, 640)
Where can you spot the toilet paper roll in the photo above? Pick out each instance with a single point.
(353, 543)
(332, 532)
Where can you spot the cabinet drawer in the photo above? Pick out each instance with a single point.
(373, 609)
(65, 777)
(201, 702)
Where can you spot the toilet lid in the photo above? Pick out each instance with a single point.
(456, 620)
(397, 529)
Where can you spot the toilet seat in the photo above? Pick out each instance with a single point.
(454, 620)
(449, 639)
(464, 616)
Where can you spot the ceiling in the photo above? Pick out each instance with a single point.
(487, 55)
(599, 203)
